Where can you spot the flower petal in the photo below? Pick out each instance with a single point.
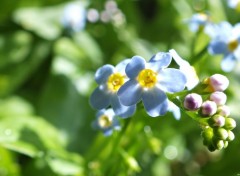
(155, 102)
(174, 109)
(136, 64)
(160, 60)
(228, 63)
(171, 80)
(121, 110)
(103, 73)
(99, 99)
(217, 47)
(122, 66)
(130, 93)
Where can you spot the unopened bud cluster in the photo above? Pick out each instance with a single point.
(217, 133)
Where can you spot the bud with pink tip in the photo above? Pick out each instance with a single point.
(219, 98)
(208, 108)
(218, 82)
(192, 102)
(217, 121)
(223, 110)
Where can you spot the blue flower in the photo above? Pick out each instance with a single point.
(225, 40)
(106, 121)
(74, 17)
(198, 21)
(149, 82)
(110, 79)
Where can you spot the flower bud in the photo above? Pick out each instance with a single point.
(230, 123)
(208, 108)
(219, 98)
(225, 144)
(218, 82)
(221, 133)
(219, 144)
(207, 135)
(192, 102)
(223, 110)
(211, 147)
(217, 121)
(231, 136)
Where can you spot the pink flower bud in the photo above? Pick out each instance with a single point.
(217, 121)
(218, 82)
(192, 102)
(208, 108)
(223, 110)
(219, 98)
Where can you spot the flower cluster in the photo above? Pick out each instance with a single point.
(133, 80)
(212, 109)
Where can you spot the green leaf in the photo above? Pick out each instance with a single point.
(8, 166)
(15, 106)
(65, 163)
(89, 47)
(12, 76)
(45, 22)
(68, 110)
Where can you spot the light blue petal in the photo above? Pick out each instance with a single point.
(108, 131)
(155, 102)
(121, 110)
(174, 109)
(136, 64)
(217, 47)
(100, 99)
(228, 63)
(236, 31)
(130, 93)
(171, 80)
(122, 66)
(103, 73)
(160, 60)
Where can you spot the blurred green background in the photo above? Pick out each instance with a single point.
(47, 76)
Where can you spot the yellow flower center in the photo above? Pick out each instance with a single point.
(104, 121)
(115, 81)
(232, 45)
(147, 78)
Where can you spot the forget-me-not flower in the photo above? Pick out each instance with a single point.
(74, 17)
(148, 81)
(110, 79)
(106, 121)
(225, 40)
(198, 21)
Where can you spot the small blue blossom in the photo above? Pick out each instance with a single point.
(74, 17)
(106, 121)
(225, 40)
(198, 21)
(110, 79)
(148, 81)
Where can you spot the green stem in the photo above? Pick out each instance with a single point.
(193, 115)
